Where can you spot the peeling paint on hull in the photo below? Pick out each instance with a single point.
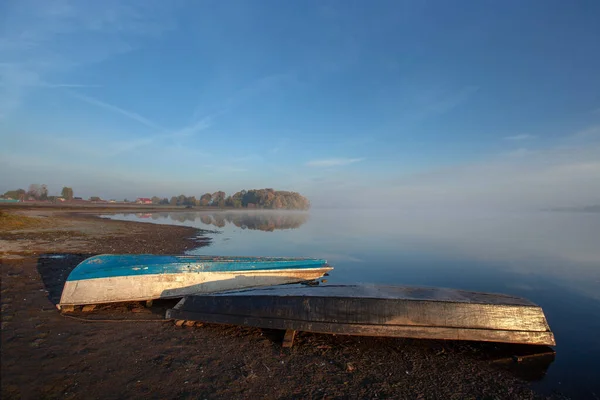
(172, 285)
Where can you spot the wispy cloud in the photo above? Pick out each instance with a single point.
(224, 168)
(436, 101)
(129, 114)
(517, 138)
(521, 152)
(559, 176)
(124, 146)
(35, 83)
(333, 162)
(67, 85)
(590, 132)
(452, 100)
(55, 38)
(202, 120)
(194, 128)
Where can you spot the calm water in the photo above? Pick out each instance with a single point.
(550, 258)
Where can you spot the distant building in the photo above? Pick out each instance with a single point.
(143, 200)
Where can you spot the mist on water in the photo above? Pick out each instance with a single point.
(563, 176)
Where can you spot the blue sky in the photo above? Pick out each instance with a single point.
(414, 102)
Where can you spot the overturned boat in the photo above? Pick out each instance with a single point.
(117, 278)
(372, 310)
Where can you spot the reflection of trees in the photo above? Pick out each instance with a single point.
(260, 220)
(181, 216)
(268, 221)
(219, 220)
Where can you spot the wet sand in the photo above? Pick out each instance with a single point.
(129, 350)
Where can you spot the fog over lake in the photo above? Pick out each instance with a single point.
(551, 258)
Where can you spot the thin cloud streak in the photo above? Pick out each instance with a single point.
(521, 152)
(129, 114)
(67, 85)
(52, 85)
(237, 99)
(453, 100)
(194, 128)
(87, 33)
(517, 138)
(333, 162)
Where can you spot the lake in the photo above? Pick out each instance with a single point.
(551, 258)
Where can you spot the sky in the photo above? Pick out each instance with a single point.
(351, 103)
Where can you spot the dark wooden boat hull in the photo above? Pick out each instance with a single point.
(370, 310)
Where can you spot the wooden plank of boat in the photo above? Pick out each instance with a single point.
(115, 278)
(372, 310)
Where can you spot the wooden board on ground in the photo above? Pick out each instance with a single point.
(288, 338)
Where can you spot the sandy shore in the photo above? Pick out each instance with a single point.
(128, 350)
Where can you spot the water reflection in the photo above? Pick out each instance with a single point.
(267, 221)
(553, 259)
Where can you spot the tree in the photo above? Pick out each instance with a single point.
(38, 192)
(254, 198)
(205, 199)
(34, 191)
(67, 193)
(44, 192)
(155, 200)
(18, 194)
(218, 199)
(181, 200)
(190, 201)
(235, 201)
(250, 197)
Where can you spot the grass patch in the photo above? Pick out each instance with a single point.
(11, 222)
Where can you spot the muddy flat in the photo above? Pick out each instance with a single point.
(130, 350)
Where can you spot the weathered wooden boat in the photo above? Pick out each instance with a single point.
(116, 278)
(371, 310)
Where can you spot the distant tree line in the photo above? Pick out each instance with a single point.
(255, 198)
(37, 192)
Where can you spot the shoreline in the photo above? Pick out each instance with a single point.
(140, 354)
(123, 208)
(65, 231)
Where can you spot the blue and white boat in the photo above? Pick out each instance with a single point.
(112, 278)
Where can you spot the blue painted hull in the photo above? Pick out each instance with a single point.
(115, 278)
(113, 265)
